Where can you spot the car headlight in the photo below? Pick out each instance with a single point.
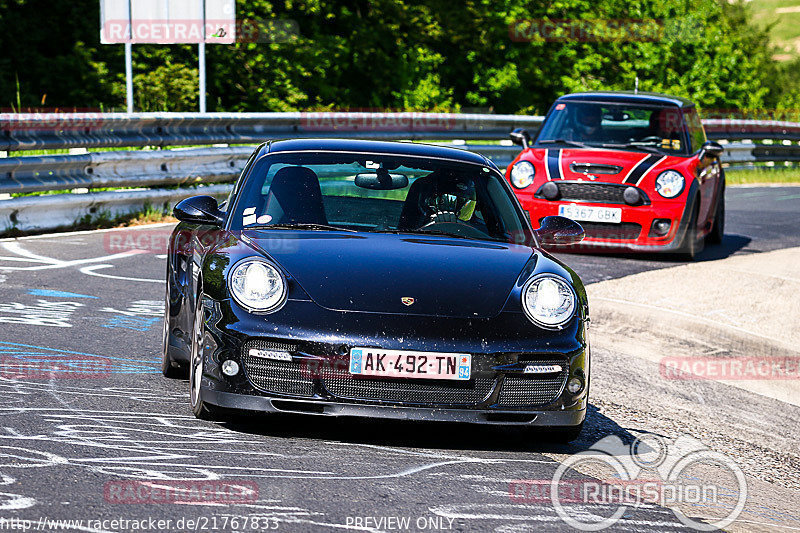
(522, 174)
(257, 285)
(548, 300)
(670, 183)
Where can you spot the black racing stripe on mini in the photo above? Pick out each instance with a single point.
(643, 166)
(554, 164)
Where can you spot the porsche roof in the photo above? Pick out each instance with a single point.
(377, 147)
(628, 97)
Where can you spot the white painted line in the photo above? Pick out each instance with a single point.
(90, 271)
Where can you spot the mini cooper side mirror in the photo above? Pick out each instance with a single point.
(521, 137)
(559, 230)
(711, 149)
(199, 210)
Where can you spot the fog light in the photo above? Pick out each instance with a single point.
(550, 190)
(575, 385)
(631, 195)
(661, 226)
(230, 368)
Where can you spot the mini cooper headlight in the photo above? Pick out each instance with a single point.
(257, 285)
(669, 183)
(522, 174)
(548, 301)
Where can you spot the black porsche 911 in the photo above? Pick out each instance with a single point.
(376, 279)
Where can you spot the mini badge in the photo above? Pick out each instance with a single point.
(407, 300)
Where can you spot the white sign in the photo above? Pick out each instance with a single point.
(167, 21)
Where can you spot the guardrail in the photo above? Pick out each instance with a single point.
(211, 166)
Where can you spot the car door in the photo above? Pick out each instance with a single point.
(707, 171)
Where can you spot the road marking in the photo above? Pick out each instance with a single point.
(90, 271)
(49, 263)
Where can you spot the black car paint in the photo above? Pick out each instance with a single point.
(326, 326)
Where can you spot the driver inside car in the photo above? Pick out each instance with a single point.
(440, 198)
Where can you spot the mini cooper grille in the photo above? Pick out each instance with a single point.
(532, 389)
(345, 386)
(281, 377)
(593, 192)
(599, 230)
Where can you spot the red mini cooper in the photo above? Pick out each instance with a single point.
(635, 169)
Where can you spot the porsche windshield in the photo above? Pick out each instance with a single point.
(635, 127)
(378, 193)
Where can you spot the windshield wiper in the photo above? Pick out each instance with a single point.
(562, 141)
(647, 147)
(300, 225)
(438, 232)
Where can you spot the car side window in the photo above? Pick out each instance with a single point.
(697, 133)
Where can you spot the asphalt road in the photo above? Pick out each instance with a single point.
(68, 444)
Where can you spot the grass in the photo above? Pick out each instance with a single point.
(785, 15)
(763, 176)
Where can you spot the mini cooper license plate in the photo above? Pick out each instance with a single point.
(588, 213)
(407, 364)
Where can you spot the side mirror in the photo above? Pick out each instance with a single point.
(199, 210)
(521, 137)
(559, 230)
(712, 150)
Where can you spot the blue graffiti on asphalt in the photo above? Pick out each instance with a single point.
(136, 323)
(57, 294)
(21, 359)
(140, 315)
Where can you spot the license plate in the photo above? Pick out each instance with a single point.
(408, 364)
(588, 213)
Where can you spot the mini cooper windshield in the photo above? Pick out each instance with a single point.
(378, 193)
(656, 129)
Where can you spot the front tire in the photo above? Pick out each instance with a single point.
(718, 229)
(692, 245)
(169, 366)
(200, 409)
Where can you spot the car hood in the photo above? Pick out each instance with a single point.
(581, 163)
(373, 272)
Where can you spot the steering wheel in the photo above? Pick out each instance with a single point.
(448, 222)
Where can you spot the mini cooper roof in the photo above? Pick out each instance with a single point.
(627, 97)
(375, 147)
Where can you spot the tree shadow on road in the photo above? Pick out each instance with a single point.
(424, 435)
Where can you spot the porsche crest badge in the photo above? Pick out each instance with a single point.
(407, 300)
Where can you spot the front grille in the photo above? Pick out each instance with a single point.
(594, 168)
(609, 193)
(281, 377)
(603, 230)
(623, 231)
(346, 386)
(522, 390)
